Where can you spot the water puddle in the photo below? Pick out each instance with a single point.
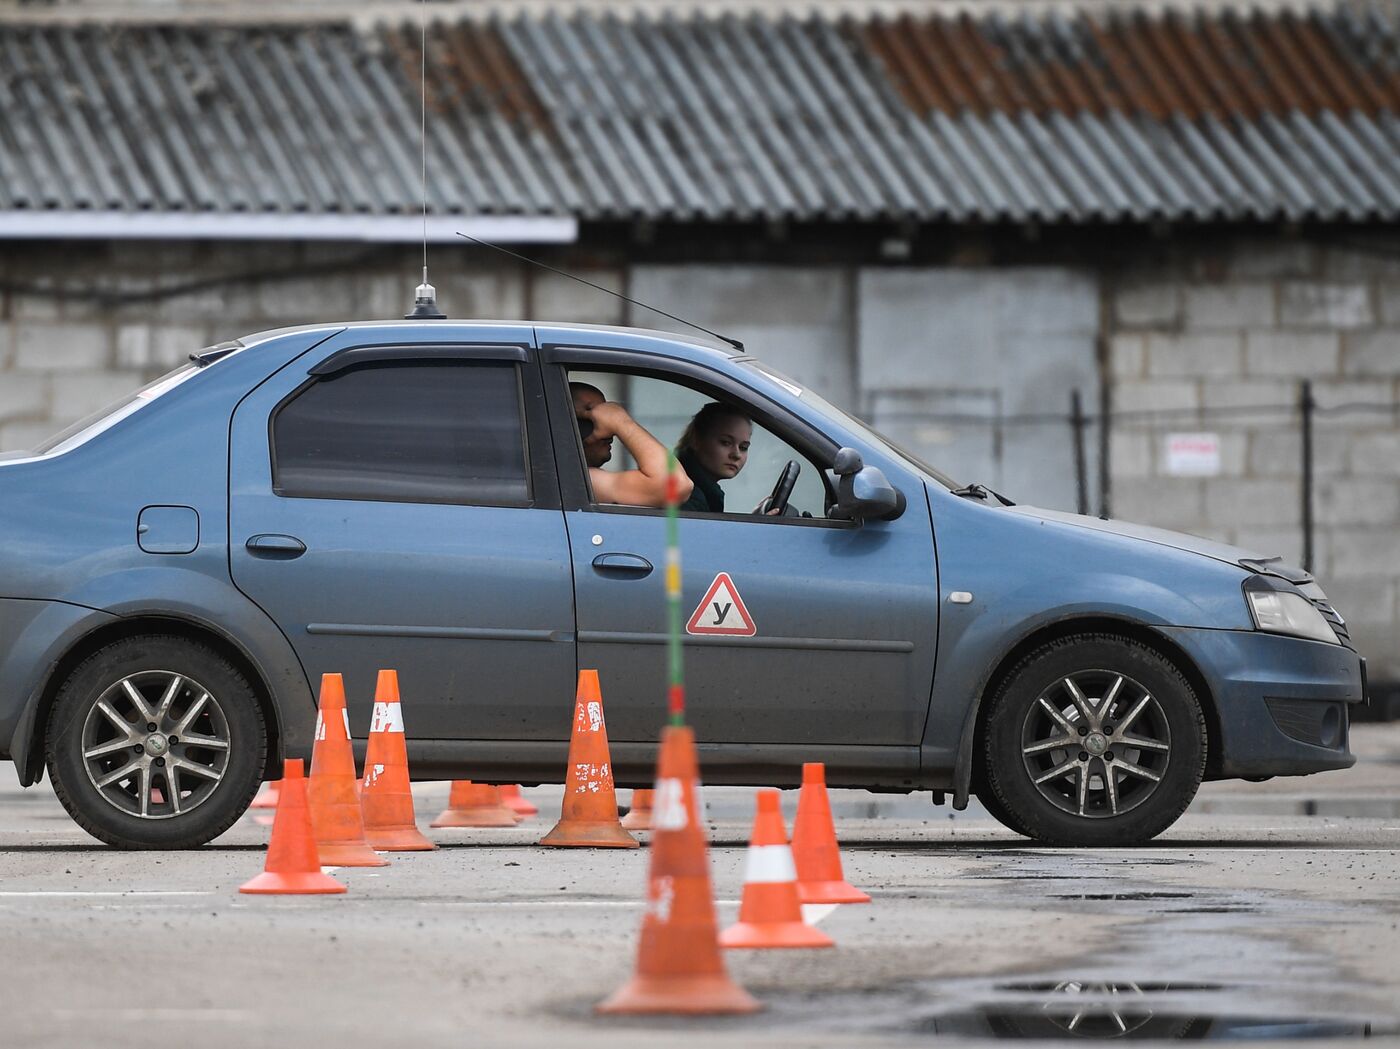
(1133, 1025)
(1126, 1011)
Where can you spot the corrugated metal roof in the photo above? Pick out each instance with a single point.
(1051, 118)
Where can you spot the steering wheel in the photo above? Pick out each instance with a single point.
(782, 491)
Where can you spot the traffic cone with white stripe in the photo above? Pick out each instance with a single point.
(639, 815)
(386, 798)
(769, 913)
(814, 848)
(679, 966)
(589, 814)
(512, 799)
(292, 867)
(330, 792)
(474, 805)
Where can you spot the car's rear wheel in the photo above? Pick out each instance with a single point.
(156, 743)
(1094, 740)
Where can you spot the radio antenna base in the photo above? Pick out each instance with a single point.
(425, 307)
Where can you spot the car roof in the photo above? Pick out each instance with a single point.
(553, 331)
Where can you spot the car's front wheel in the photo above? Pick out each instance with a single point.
(156, 743)
(1094, 740)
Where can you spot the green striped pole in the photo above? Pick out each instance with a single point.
(676, 695)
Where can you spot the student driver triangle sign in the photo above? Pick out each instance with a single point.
(722, 611)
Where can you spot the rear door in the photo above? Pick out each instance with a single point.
(396, 506)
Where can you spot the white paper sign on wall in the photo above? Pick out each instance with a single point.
(1193, 454)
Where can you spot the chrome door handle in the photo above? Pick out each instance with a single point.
(275, 547)
(629, 566)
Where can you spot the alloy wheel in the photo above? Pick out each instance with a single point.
(156, 744)
(1096, 744)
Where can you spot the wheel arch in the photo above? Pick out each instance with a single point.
(136, 626)
(968, 773)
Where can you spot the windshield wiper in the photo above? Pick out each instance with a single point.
(981, 491)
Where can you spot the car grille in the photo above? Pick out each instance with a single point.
(1338, 623)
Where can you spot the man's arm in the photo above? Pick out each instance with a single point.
(644, 486)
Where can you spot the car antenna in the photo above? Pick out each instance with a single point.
(598, 287)
(425, 307)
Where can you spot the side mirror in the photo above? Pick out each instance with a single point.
(862, 492)
(848, 461)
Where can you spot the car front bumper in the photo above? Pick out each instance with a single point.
(1282, 704)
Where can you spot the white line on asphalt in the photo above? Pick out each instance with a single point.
(812, 913)
(557, 903)
(115, 892)
(135, 1015)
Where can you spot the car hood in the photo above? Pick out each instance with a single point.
(1231, 555)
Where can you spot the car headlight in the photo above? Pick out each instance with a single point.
(1282, 612)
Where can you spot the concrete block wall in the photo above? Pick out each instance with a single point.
(81, 326)
(1213, 340)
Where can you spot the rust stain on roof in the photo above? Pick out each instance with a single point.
(1222, 65)
(469, 68)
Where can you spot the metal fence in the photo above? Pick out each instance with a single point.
(1078, 448)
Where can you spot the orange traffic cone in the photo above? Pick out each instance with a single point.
(474, 805)
(679, 968)
(512, 799)
(814, 848)
(639, 815)
(769, 914)
(267, 797)
(589, 815)
(292, 867)
(386, 797)
(330, 792)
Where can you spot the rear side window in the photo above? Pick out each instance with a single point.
(416, 432)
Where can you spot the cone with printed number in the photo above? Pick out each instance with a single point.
(292, 867)
(330, 792)
(267, 797)
(769, 913)
(474, 805)
(679, 966)
(512, 799)
(814, 848)
(386, 799)
(589, 815)
(639, 815)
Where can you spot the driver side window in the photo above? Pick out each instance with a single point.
(733, 461)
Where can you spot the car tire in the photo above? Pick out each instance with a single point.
(188, 778)
(1094, 740)
(988, 799)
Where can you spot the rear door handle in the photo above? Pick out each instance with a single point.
(276, 547)
(627, 566)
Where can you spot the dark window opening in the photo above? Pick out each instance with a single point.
(422, 432)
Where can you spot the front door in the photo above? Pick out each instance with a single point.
(384, 511)
(811, 638)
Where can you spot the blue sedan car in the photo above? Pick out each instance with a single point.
(177, 572)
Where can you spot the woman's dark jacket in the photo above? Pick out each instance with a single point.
(707, 496)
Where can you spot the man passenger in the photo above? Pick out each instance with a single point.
(644, 486)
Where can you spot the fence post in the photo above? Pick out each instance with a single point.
(1105, 438)
(1307, 406)
(1081, 470)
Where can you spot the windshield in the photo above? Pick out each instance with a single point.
(89, 427)
(842, 417)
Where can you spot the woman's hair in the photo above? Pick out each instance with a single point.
(705, 420)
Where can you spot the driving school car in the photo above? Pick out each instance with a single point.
(177, 572)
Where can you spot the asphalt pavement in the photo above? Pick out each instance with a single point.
(1270, 911)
